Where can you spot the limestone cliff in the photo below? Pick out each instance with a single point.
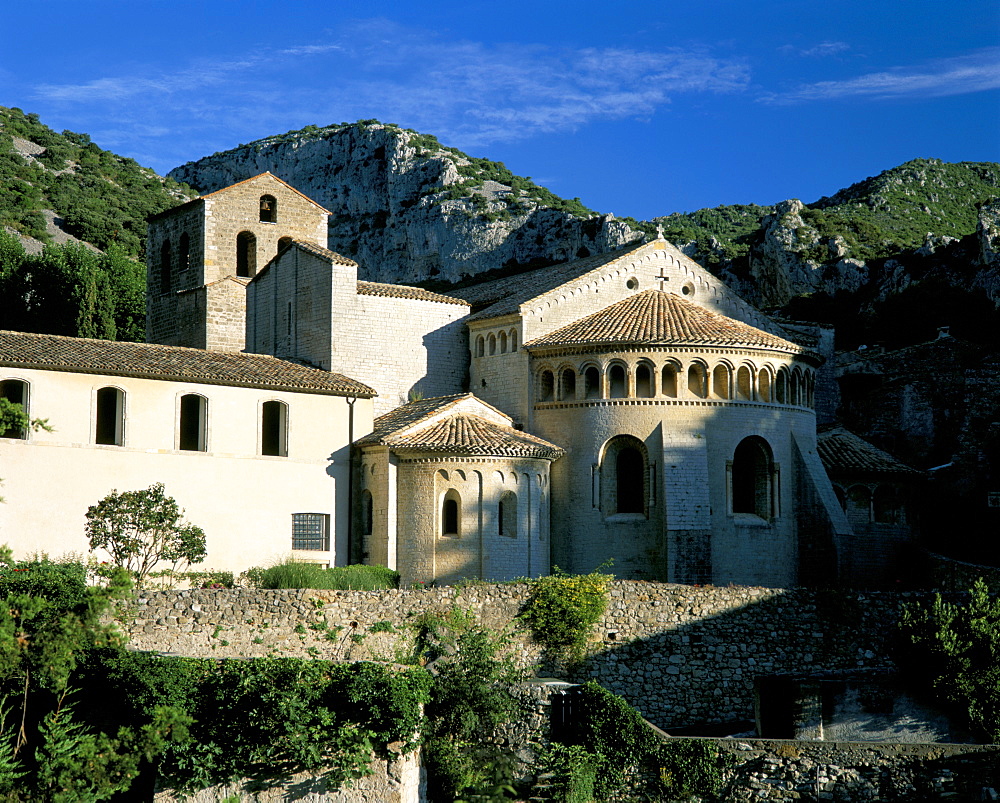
(408, 209)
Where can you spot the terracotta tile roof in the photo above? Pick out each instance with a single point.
(170, 363)
(324, 253)
(655, 317)
(416, 426)
(403, 291)
(505, 296)
(844, 454)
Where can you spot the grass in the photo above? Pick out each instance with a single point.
(291, 574)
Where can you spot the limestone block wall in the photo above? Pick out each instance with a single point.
(680, 654)
(401, 346)
(499, 371)
(165, 282)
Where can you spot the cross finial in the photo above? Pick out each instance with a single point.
(659, 231)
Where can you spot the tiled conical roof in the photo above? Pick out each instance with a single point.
(654, 317)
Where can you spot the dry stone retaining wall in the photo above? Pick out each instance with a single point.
(680, 654)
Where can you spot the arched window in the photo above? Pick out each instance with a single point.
(16, 392)
(246, 254)
(859, 504)
(744, 384)
(165, 259)
(491, 344)
(268, 209)
(513, 339)
(592, 383)
(623, 476)
(764, 385)
(698, 381)
(617, 382)
(274, 429)
(887, 505)
(184, 254)
(668, 381)
(367, 512)
(752, 478)
(643, 381)
(781, 386)
(795, 387)
(480, 346)
(503, 342)
(451, 514)
(567, 384)
(507, 514)
(283, 243)
(193, 423)
(546, 385)
(110, 424)
(720, 381)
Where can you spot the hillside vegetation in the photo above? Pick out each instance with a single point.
(102, 198)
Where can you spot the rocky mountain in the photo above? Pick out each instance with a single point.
(409, 209)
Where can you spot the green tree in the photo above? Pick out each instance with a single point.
(950, 651)
(141, 528)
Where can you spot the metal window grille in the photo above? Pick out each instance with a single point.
(311, 531)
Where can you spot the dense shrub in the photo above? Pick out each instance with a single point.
(562, 610)
(293, 574)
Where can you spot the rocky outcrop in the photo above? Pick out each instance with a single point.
(407, 212)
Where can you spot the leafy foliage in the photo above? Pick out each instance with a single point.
(633, 756)
(72, 290)
(471, 701)
(141, 528)
(102, 198)
(951, 653)
(562, 609)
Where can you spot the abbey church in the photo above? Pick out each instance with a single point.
(624, 410)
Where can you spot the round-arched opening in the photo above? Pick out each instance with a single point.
(617, 382)
(752, 478)
(643, 381)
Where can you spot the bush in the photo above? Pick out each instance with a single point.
(293, 574)
(563, 609)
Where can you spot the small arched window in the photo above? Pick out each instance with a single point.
(592, 383)
(283, 243)
(617, 382)
(513, 339)
(165, 260)
(744, 384)
(752, 478)
(480, 346)
(764, 385)
(246, 254)
(643, 381)
(109, 428)
(503, 342)
(546, 386)
(184, 253)
(668, 382)
(16, 392)
(491, 346)
(274, 429)
(268, 209)
(781, 386)
(720, 381)
(367, 512)
(507, 514)
(451, 514)
(795, 387)
(698, 381)
(567, 384)
(193, 429)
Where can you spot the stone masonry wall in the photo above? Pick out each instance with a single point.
(680, 654)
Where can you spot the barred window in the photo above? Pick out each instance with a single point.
(311, 531)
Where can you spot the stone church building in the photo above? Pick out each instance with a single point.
(625, 409)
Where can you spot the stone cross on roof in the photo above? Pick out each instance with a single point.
(659, 231)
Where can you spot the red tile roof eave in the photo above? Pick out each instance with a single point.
(361, 392)
(617, 345)
(539, 454)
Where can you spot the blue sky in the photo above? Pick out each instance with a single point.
(637, 108)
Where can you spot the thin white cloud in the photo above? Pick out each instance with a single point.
(973, 72)
(466, 92)
(825, 49)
